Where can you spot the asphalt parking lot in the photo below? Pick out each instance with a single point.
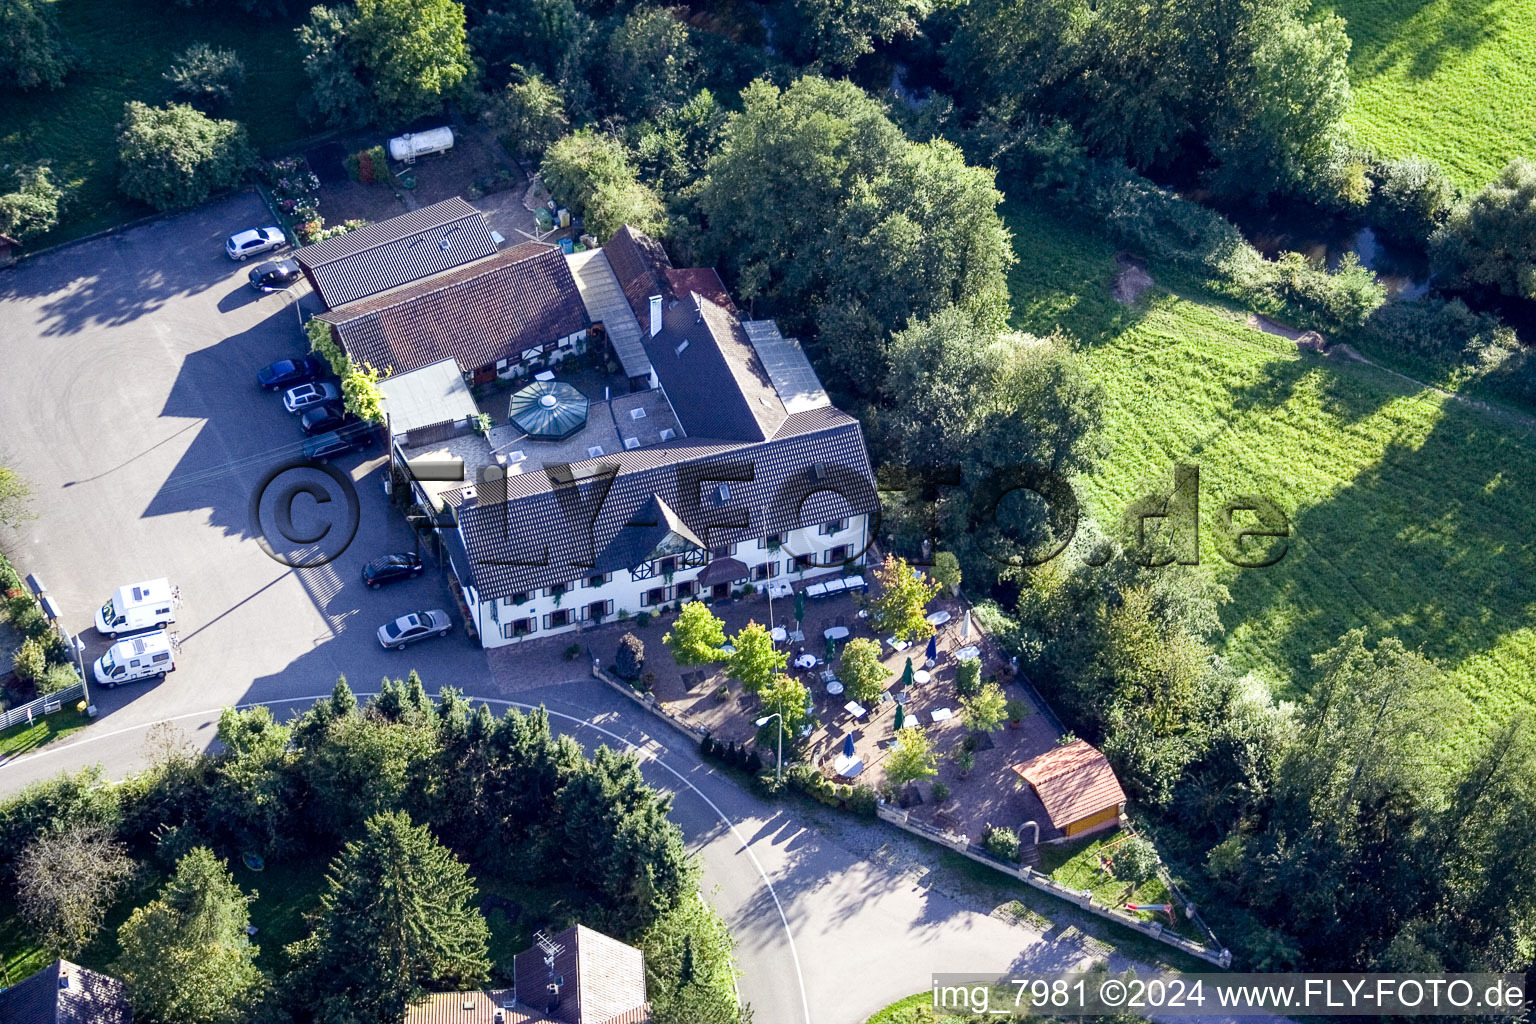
(130, 404)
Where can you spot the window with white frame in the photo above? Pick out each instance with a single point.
(598, 580)
(766, 571)
(518, 627)
(835, 526)
(654, 596)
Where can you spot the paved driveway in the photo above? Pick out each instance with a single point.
(131, 407)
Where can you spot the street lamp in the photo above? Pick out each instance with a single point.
(778, 765)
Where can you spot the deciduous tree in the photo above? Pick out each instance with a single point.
(756, 660)
(176, 156)
(986, 710)
(1490, 241)
(839, 32)
(33, 53)
(528, 114)
(911, 759)
(203, 74)
(697, 637)
(66, 881)
(592, 172)
(30, 209)
(899, 609)
(861, 671)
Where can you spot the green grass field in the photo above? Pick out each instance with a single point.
(1453, 80)
(1410, 512)
(23, 739)
(125, 46)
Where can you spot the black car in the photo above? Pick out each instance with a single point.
(274, 277)
(326, 417)
(285, 373)
(338, 442)
(391, 568)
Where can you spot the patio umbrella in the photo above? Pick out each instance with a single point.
(799, 606)
(933, 648)
(901, 717)
(906, 674)
(831, 648)
(965, 626)
(848, 745)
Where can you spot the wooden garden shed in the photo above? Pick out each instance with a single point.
(1077, 787)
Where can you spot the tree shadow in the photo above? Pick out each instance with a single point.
(1418, 34)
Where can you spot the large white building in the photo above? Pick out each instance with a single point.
(732, 468)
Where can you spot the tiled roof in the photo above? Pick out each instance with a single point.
(704, 280)
(396, 251)
(471, 1008)
(706, 365)
(530, 517)
(1073, 782)
(640, 264)
(603, 979)
(477, 314)
(605, 302)
(86, 998)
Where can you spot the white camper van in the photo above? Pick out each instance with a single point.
(148, 605)
(149, 656)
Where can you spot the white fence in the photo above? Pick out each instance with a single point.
(42, 706)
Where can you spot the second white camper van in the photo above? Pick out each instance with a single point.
(149, 656)
(138, 606)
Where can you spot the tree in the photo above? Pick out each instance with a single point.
(756, 660)
(30, 660)
(862, 673)
(788, 697)
(819, 208)
(528, 114)
(697, 637)
(946, 571)
(176, 156)
(360, 393)
(33, 54)
(186, 955)
(257, 786)
(398, 917)
(202, 74)
(511, 34)
(902, 603)
(30, 209)
(986, 710)
(1490, 242)
(66, 881)
(1135, 860)
(838, 32)
(651, 64)
(591, 172)
(1412, 198)
(630, 658)
(384, 61)
(690, 973)
(911, 759)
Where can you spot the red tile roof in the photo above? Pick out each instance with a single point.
(477, 314)
(66, 993)
(1073, 782)
(470, 1008)
(603, 979)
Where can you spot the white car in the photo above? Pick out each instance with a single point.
(244, 244)
(306, 396)
(407, 629)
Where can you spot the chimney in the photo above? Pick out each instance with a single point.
(468, 497)
(63, 977)
(655, 315)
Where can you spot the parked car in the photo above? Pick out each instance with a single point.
(242, 245)
(285, 373)
(391, 568)
(326, 447)
(326, 417)
(274, 277)
(408, 629)
(306, 395)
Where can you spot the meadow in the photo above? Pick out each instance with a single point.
(125, 46)
(1453, 80)
(1409, 511)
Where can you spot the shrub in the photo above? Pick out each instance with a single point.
(528, 114)
(630, 657)
(176, 156)
(643, 619)
(648, 682)
(1135, 860)
(1016, 709)
(754, 763)
(31, 208)
(323, 342)
(861, 800)
(1412, 198)
(968, 677)
(572, 652)
(33, 52)
(30, 660)
(706, 746)
(1490, 241)
(361, 395)
(1002, 843)
(940, 792)
(768, 783)
(200, 74)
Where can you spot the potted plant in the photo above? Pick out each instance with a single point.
(1017, 709)
(940, 793)
(965, 761)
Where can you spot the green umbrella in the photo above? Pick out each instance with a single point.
(799, 606)
(906, 674)
(831, 648)
(901, 717)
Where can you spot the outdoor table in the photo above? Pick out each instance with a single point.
(545, 375)
(937, 618)
(942, 714)
(778, 634)
(921, 676)
(806, 661)
(729, 648)
(816, 590)
(911, 722)
(833, 586)
(855, 583)
(780, 590)
(834, 687)
(797, 636)
(967, 653)
(855, 709)
(897, 645)
(835, 632)
(848, 767)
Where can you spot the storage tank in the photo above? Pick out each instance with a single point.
(406, 148)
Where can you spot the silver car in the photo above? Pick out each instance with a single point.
(306, 396)
(244, 244)
(407, 629)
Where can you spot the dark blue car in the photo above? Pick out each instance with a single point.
(285, 373)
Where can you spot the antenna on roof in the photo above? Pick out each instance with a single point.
(549, 947)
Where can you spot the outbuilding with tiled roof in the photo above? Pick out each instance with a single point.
(66, 993)
(1077, 786)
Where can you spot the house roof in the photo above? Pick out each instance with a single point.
(471, 1008)
(716, 381)
(66, 993)
(477, 314)
(429, 395)
(704, 280)
(1073, 782)
(396, 251)
(640, 265)
(606, 303)
(603, 979)
(545, 514)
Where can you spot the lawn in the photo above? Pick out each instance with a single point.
(1453, 80)
(20, 739)
(1076, 864)
(1409, 511)
(125, 46)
